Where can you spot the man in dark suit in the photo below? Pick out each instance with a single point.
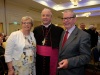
(82, 26)
(94, 35)
(75, 53)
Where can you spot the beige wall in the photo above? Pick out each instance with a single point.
(90, 21)
(1, 27)
(15, 27)
(15, 11)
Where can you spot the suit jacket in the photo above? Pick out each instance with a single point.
(94, 37)
(77, 51)
(2, 50)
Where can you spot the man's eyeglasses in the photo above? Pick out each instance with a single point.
(67, 18)
(26, 23)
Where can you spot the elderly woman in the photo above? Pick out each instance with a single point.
(20, 50)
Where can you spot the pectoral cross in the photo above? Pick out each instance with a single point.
(43, 42)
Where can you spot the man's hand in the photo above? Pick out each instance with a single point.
(63, 64)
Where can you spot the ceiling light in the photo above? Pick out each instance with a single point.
(75, 2)
(87, 14)
(58, 7)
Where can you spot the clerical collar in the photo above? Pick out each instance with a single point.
(47, 25)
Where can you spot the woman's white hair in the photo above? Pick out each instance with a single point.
(27, 18)
(91, 26)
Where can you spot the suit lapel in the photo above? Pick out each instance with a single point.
(60, 46)
(72, 36)
(70, 39)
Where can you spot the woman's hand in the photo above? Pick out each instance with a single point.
(11, 72)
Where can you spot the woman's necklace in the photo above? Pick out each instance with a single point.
(30, 40)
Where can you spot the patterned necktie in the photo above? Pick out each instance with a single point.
(65, 38)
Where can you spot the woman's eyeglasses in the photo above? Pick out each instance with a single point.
(26, 23)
